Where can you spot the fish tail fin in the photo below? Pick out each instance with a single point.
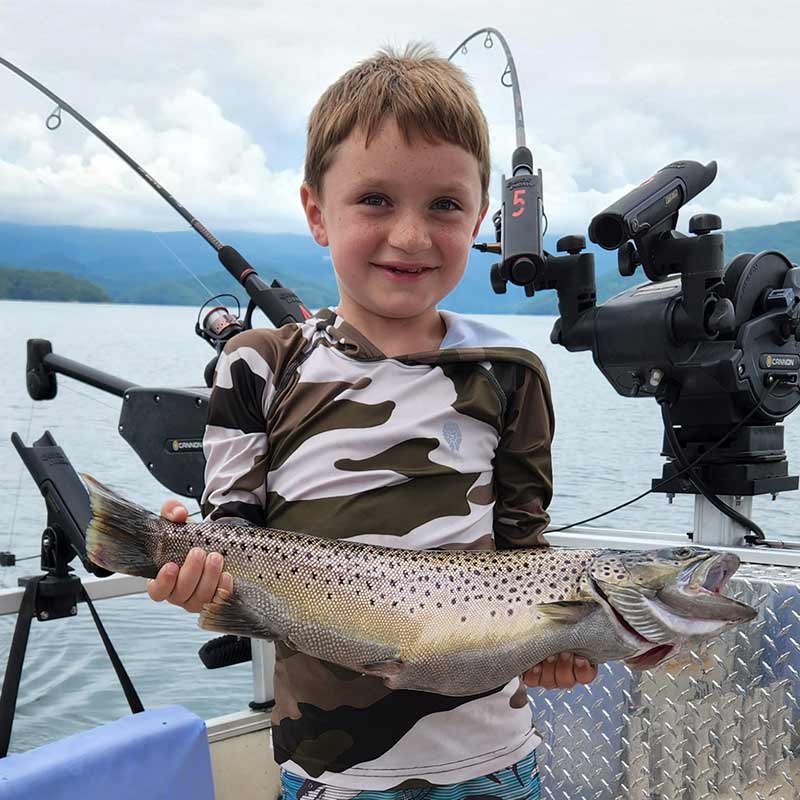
(229, 613)
(115, 538)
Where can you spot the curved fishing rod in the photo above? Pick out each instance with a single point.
(520, 223)
(279, 304)
(510, 71)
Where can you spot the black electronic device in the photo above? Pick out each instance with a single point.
(718, 345)
(520, 232)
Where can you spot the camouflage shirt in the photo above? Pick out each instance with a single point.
(311, 428)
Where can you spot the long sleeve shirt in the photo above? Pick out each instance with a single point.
(312, 428)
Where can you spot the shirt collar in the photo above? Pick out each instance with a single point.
(346, 338)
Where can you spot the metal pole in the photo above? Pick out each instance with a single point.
(263, 668)
(712, 527)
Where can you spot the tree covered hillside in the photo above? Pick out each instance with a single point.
(29, 284)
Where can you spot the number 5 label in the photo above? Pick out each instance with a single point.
(519, 200)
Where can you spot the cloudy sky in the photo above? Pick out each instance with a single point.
(212, 98)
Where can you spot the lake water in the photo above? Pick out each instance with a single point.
(606, 451)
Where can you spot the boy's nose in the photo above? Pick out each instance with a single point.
(410, 234)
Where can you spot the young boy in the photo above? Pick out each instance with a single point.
(389, 422)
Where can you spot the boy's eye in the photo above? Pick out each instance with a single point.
(373, 200)
(446, 204)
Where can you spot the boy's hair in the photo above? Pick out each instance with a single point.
(426, 94)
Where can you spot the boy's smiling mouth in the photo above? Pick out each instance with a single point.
(405, 271)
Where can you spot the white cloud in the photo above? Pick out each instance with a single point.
(212, 100)
(188, 147)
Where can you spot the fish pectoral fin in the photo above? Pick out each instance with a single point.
(567, 611)
(228, 613)
(390, 668)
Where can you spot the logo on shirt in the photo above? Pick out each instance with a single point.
(452, 435)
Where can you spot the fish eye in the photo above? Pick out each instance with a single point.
(683, 552)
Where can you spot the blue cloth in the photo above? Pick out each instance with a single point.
(159, 754)
(520, 781)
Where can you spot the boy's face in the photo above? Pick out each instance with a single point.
(399, 219)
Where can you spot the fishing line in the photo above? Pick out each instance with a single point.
(691, 465)
(19, 485)
(22, 466)
(86, 396)
(182, 263)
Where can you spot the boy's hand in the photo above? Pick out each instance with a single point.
(193, 584)
(563, 671)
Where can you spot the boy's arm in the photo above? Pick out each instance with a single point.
(523, 473)
(235, 440)
(524, 488)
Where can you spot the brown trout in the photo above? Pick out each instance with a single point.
(450, 622)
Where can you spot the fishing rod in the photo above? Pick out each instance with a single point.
(519, 222)
(509, 73)
(279, 304)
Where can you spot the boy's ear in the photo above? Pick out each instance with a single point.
(313, 211)
(476, 230)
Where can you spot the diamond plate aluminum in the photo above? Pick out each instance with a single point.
(723, 722)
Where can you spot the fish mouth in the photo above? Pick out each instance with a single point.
(698, 593)
(714, 574)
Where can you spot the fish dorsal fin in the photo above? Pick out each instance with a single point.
(567, 612)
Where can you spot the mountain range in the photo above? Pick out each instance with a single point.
(180, 268)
